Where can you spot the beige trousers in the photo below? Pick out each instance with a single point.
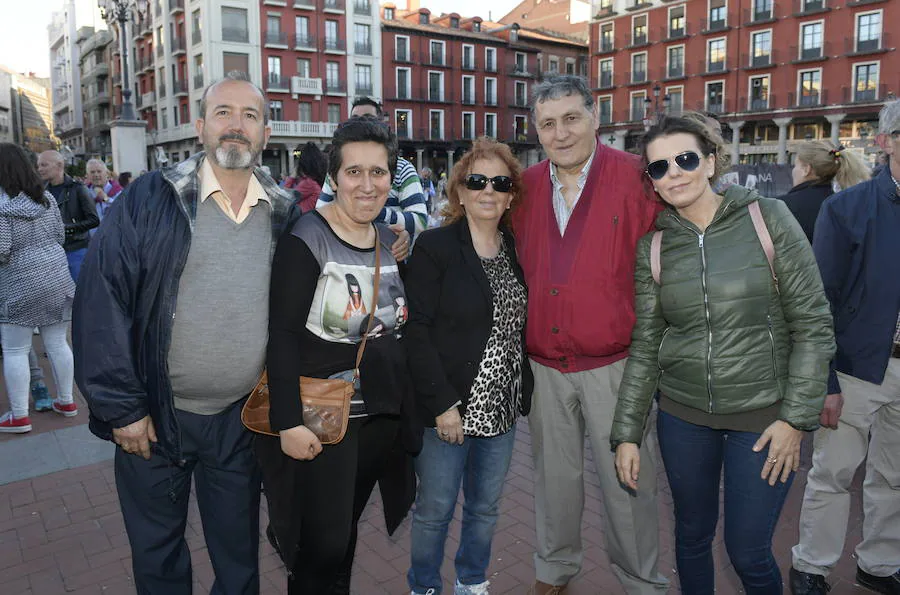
(563, 407)
(869, 426)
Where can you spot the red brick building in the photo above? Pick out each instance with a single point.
(772, 71)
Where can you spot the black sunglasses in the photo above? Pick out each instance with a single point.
(480, 181)
(687, 161)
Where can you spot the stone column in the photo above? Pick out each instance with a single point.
(736, 141)
(419, 156)
(835, 121)
(450, 153)
(129, 145)
(782, 124)
(620, 139)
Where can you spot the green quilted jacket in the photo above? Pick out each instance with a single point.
(716, 335)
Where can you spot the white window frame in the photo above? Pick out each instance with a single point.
(408, 80)
(709, 11)
(804, 2)
(853, 68)
(494, 131)
(524, 60)
(550, 62)
(706, 85)
(493, 51)
(800, 74)
(397, 38)
(612, 25)
(709, 43)
(611, 118)
(683, 58)
(750, 79)
(441, 112)
(487, 97)
(409, 120)
(669, 19)
(856, 17)
(771, 41)
(463, 129)
(443, 51)
(669, 90)
(646, 17)
(516, 92)
(612, 71)
(516, 118)
(646, 66)
(800, 35)
(631, 96)
(443, 85)
(462, 88)
(468, 46)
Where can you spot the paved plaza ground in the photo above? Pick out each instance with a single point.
(61, 530)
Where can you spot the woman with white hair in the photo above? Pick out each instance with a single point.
(103, 188)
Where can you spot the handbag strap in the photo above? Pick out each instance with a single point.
(374, 304)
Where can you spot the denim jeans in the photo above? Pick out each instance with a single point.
(694, 456)
(75, 258)
(480, 465)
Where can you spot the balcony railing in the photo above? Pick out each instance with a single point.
(180, 87)
(761, 61)
(606, 80)
(235, 35)
(335, 86)
(708, 67)
(638, 76)
(146, 100)
(760, 104)
(276, 38)
(802, 54)
(675, 71)
(606, 46)
(638, 4)
(866, 94)
(306, 86)
(97, 70)
(304, 41)
(672, 33)
(198, 81)
(713, 26)
(176, 6)
(362, 49)
(178, 45)
(806, 7)
(303, 129)
(490, 66)
(362, 8)
(752, 16)
(490, 100)
(639, 40)
(196, 37)
(437, 60)
(310, 4)
(335, 45)
(276, 81)
(468, 98)
(604, 12)
(403, 55)
(867, 46)
(364, 90)
(518, 100)
(337, 5)
(517, 70)
(467, 64)
(809, 98)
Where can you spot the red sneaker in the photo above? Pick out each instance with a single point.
(14, 425)
(66, 409)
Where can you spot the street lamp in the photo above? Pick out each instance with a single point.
(123, 11)
(667, 101)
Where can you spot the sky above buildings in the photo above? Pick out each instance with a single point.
(23, 30)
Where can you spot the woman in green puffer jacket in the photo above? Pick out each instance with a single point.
(739, 353)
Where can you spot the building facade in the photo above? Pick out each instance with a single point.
(65, 80)
(6, 107)
(773, 72)
(32, 116)
(95, 56)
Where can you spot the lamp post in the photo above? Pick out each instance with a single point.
(667, 100)
(122, 11)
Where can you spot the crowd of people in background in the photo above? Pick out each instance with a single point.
(608, 297)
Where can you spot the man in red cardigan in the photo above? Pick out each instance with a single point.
(584, 210)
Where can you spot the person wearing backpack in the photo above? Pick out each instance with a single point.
(734, 330)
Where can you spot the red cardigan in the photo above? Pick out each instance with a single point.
(581, 286)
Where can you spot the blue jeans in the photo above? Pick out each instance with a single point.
(693, 456)
(480, 465)
(75, 258)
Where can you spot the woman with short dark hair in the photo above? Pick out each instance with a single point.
(36, 289)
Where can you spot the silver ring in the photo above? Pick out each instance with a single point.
(772, 460)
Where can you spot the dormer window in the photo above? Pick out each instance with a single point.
(389, 14)
(476, 26)
(454, 23)
(423, 18)
(513, 35)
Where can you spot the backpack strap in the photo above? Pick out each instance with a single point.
(655, 260)
(762, 232)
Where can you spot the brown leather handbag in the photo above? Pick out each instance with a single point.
(325, 401)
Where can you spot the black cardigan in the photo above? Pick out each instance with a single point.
(451, 315)
(804, 200)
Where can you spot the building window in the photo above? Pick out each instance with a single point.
(276, 110)
(716, 55)
(468, 90)
(490, 91)
(334, 113)
(490, 59)
(718, 13)
(274, 66)
(164, 118)
(301, 25)
(554, 65)
(401, 49)
(521, 94)
(762, 48)
(521, 62)
(570, 67)
(196, 35)
(273, 29)
(810, 88)
(233, 61)
(520, 127)
(490, 125)
(639, 30)
(403, 84)
(606, 73)
(868, 32)
(436, 124)
(676, 21)
(234, 25)
(403, 123)
(605, 104)
(436, 86)
(607, 39)
(811, 44)
(639, 67)
(423, 18)
(389, 13)
(762, 10)
(331, 35)
(303, 67)
(437, 52)
(362, 39)
(715, 97)
(468, 125)
(363, 79)
(476, 27)
(866, 87)
(333, 75)
(676, 100)
(759, 93)
(468, 57)
(304, 111)
(637, 106)
(676, 62)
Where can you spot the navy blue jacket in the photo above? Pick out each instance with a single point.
(125, 302)
(856, 243)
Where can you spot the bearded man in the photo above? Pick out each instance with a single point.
(170, 329)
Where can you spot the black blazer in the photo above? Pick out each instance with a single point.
(804, 200)
(451, 314)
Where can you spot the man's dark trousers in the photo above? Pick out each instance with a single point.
(154, 499)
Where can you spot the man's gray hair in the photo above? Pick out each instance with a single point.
(562, 85)
(235, 75)
(98, 162)
(889, 118)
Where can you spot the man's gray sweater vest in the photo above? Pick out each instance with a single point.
(221, 318)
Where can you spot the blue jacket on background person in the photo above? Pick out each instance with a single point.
(125, 306)
(855, 242)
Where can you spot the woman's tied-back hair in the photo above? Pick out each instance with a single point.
(19, 176)
(361, 129)
(483, 148)
(829, 163)
(312, 163)
(707, 131)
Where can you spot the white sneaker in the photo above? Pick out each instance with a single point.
(477, 589)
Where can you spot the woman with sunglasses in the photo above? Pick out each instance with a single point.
(739, 353)
(465, 349)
